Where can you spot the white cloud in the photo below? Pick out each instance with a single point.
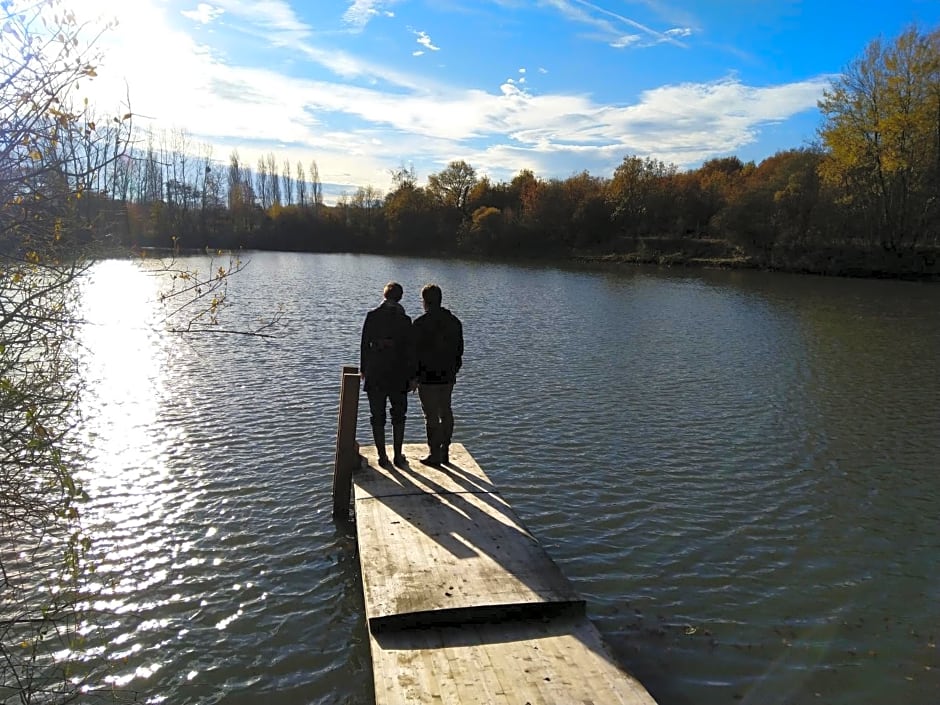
(406, 118)
(203, 14)
(425, 41)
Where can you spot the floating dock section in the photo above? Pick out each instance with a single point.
(464, 606)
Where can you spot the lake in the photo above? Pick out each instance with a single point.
(737, 470)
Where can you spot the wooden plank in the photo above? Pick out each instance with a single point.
(555, 662)
(461, 474)
(441, 546)
(452, 578)
(346, 458)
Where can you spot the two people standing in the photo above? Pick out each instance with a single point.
(397, 357)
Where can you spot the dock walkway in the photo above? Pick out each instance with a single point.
(463, 604)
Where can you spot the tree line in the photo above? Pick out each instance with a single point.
(862, 199)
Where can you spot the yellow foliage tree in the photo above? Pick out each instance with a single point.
(882, 131)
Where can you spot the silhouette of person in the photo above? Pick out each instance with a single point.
(387, 364)
(439, 340)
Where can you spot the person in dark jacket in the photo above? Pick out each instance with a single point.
(439, 340)
(387, 363)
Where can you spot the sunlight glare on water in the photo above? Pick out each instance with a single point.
(736, 469)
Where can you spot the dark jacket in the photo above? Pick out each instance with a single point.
(387, 351)
(439, 337)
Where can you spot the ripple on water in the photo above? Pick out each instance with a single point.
(726, 465)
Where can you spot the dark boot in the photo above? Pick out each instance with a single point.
(398, 439)
(378, 435)
(447, 431)
(434, 446)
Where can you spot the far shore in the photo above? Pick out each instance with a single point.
(850, 260)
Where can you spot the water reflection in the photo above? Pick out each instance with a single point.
(737, 470)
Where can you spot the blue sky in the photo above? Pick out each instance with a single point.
(555, 86)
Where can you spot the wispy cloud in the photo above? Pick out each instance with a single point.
(268, 14)
(625, 41)
(610, 25)
(361, 12)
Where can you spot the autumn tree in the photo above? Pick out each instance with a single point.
(403, 176)
(50, 163)
(642, 196)
(546, 215)
(882, 129)
(411, 219)
(482, 233)
(589, 219)
(451, 187)
(364, 212)
(777, 203)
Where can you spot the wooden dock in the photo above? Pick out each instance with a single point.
(464, 606)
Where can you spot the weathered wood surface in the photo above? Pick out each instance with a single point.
(347, 454)
(442, 546)
(464, 606)
(562, 661)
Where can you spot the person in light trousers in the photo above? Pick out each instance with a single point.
(439, 342)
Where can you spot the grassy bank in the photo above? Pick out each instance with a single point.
(846, 260)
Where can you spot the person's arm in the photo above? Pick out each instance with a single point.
(459, 344)
(412, 356)
(364, 348)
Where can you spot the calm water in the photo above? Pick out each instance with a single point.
(739, 472)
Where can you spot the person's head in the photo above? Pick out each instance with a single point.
(393, 292)
(431, 296)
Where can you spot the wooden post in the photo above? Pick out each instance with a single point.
(347, 452)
